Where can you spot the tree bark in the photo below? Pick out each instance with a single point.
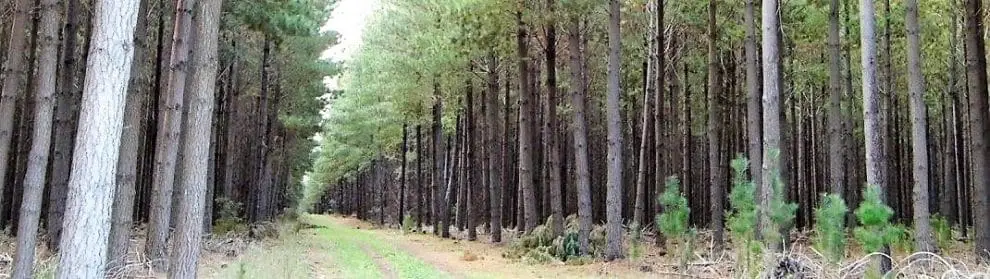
(525, 124)
(402, 175)
(553, 145)
(495, 153)
(716, 184)
(123, 202)
(66, 114)
(91, 182)
(13, 74)
(919, 131)
(580, 131)
(189, 230)
(613, 227)
(754, 113)
(771, 114)
(37, 166)
(167, 146)
(876, 161)
(976, 74)
(835, 158)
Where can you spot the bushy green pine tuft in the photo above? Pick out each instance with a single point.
(741, 220)
(875, 230)
(781, 212)
(673, 222)
(830, 234)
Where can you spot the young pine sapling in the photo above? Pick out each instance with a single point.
(741, 221)
(673, 222)
(830, 234)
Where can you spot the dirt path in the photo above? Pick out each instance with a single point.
(383, 265)
(479, 259)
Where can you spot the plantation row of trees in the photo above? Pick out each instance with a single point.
(174, 114)
(504, 114)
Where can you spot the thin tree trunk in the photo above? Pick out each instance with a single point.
(525, 125)
(714, 91)
(402, 175)
(553, 145)
(65, 116)
(34, 178)
(835, 158)
(91, 183)
(495, 153)
(948, 198)
(639, 200)
(437, 175)
(613, 227)
(772, 167)
(919, 131)
(876, 161)
(580, 131)
(14, 70)
(754, 113)
(167, 147)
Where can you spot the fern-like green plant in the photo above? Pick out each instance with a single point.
(830, 234)
(741, 220)
(673, 222)
(875, 230)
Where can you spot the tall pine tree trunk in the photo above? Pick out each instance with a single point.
(580, 131)
(91, 182)
(919, 131)
(613, 227)
(192, 202)
(167, 147)
(553, 144)
(835, 158)
(716, 184)
(37, 167)
(123, 201)
(14, 70)
(526, 103)
(976, 74)
(65, 118)
(876, 161)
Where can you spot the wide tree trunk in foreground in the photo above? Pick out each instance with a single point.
(613, 203)
(979, 125)
(34, 178)
(715, 182)
(919, 131)
(91, 183)
(189, 230)
(167, 147)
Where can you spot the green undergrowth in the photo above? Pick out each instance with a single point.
(541, 247)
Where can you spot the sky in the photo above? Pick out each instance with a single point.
(348, 19)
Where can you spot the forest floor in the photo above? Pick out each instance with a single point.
(322, 246)
(345, 247)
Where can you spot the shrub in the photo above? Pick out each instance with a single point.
(875, 230)
(229, 220)
(408, 224)
(830, 235)
(635, 240)
(673, 222)
(741, 220)
(781, 213)
(943, 232)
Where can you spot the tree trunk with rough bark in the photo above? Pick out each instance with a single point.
(613, 227)
(167, 146)
(91, 182)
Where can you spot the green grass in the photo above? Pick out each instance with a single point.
(351, 253)
(351, 243)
